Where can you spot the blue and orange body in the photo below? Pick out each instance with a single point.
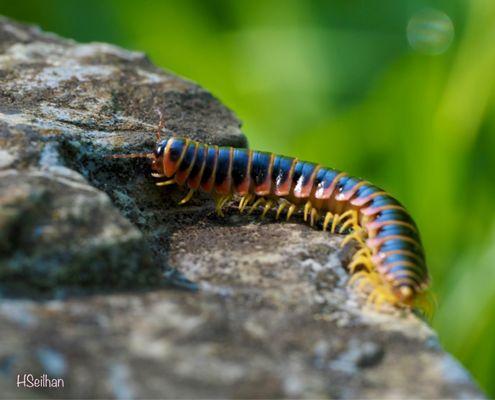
(389, 263)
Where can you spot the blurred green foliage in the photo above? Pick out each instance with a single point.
(338, 82)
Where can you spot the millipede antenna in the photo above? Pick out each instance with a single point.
(161, 124)
(132, 155)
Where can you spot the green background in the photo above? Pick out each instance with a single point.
(339, 83)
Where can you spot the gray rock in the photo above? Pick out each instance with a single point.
(272, 316)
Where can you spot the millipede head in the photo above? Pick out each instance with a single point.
(157, 159)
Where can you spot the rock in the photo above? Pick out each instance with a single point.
(64, 107)
(265, 311)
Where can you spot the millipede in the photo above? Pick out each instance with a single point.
(388, 266)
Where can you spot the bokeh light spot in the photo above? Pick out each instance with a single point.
(430, 31)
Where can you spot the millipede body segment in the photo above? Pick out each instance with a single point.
(389, 264)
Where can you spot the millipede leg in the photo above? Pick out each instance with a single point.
(251, 198)
(360, 261)
(379, 302)
(328, 218)
(378, 296)
(291, 211)
(352, 220)
(348, 214)
(307, 208)
(369, 281)
(347, 224)
(363, 285)
(315, 216)
(358, 278)
(374, 298)
(220, 202)
(268, 206)
(426, 304)
(261, 200)
(357, 236)
(241, 203)
(334, 223)
(371, 285)
(226, 199)
(188, 197)
(245, 200)
(365, 251)
(166, 183)
(347, 239)
(280, 209)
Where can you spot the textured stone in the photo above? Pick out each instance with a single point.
(264, 310)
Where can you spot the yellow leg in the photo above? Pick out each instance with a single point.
(328, 218)
(347, 239)
(188, 197)
(426, 303)
(365, 251)
(364, 220)
(369, 281)
(380, 295)
(360, 261)
(268, 206)
(226, 199)
(291, 211)
(358, 276)
(258, 202)
(241, 203)
(165, 183)
(246, 199)
(352, 221)
(379, 302)
(307, 208)
(249, 199)
(357, 236)
(334, 223)
(218, 207)
(371, 298)
(281, 207)
(345, 225)
(348, 214)
(315, 216)
(220, 202)
(157, 175)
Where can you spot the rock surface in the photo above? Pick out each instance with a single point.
(100, 268)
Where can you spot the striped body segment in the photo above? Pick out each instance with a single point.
(389, 237)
